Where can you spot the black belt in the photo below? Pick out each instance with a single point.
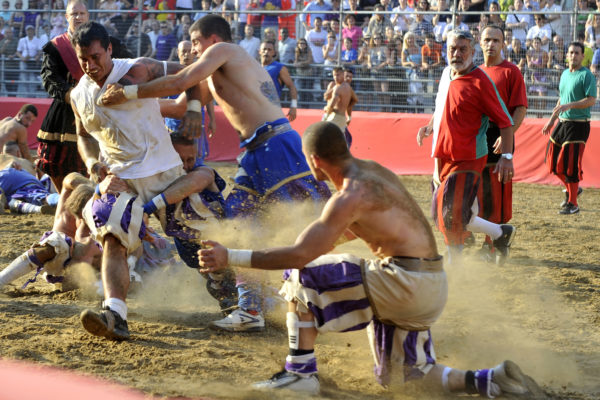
(415, 264)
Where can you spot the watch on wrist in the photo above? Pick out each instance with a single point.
(508, 156)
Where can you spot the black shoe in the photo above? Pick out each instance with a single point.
(502, 244)
(564, 203)
(106, 323)
(569, 208)
(487, 253)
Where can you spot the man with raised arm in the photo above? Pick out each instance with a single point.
(397, 295)
(128, 142)
(272, 167)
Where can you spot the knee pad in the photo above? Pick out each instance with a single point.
(293, 325)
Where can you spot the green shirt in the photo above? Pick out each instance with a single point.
(575, 86)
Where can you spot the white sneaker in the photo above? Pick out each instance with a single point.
(510, 379)
(291, 381)
(240, 321)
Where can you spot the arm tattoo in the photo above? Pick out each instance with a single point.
(268, 90)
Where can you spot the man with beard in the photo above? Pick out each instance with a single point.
(467, 100)
(279, 74)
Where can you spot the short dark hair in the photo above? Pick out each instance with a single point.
(29, 108)
(272, 43)
(325, 140)
(212, 24)
(88, 32)
(337, 68)
(492, 26)
(348, 69)
(577, 44)
(178, 138)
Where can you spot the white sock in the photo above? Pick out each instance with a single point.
(480, 225)
(24, 208)
(19, 267)
(117, 305)
(445, 379)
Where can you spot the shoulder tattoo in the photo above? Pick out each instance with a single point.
(268, 90)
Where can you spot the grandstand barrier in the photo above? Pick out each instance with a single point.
(388, 138)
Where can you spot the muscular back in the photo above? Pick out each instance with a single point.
(343, 93)
(243, 89)
(10, 129)
(388, 220)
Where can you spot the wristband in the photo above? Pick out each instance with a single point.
(294, 103)
(157, 203)
(90, 162)
(194, 105)
(239, 258)
(97, 191)
(130, 92)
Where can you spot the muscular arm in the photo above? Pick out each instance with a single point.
(353, 101)
(193, 182)
(317, 239)
(88, 149)
(285, 77)
(212, 59)
(22, 142)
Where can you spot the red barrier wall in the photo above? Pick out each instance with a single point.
(387, 138)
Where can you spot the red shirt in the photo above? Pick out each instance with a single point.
(466, 105)
(510, 84)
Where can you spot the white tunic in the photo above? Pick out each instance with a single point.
(133, 140)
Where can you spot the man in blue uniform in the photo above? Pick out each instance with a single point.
(280, 75)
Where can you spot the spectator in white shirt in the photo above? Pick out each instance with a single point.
(540, 30)
(29, 51)
(154, 34)
(316, 39)
(554, 20)
(402, 21)
(287, 47)
(250, 43)
(519, 23)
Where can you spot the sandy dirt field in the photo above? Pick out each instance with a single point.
(540, 310)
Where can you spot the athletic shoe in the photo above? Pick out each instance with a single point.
(240, 321)
(510, 379)
(568, 209)
(566, 200)
(502, 244)
(106, 323)
(289, 380)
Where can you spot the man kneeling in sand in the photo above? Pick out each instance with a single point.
(398, 295)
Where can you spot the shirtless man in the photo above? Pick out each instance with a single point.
(15, 129)
(272, 167)
(398, 294)
(68, 239)
(340, 99)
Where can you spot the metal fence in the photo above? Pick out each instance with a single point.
(393, 88)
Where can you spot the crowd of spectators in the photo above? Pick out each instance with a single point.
(393, 46)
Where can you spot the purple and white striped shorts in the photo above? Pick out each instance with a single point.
(345, 292)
